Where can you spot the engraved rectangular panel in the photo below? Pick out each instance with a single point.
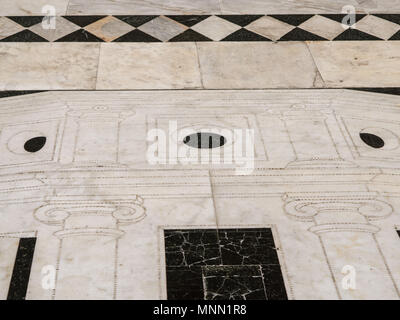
(14, 137)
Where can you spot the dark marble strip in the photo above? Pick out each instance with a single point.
(5, 94)
(393, 91)
(383, 90)
(22, 269)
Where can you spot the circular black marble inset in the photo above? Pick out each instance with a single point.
(35, 144)
(204, 140)
(372, 140)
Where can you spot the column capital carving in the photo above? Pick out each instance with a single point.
(58, 209)
(337, 211)
(102, 113)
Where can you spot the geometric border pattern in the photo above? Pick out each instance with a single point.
(193, 28)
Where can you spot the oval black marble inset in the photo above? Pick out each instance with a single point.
(204, 140)
(372, 140)
(35, 144)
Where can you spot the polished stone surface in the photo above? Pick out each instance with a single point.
(26, 7)
(148, 66)
(362, 63)
(200, 221)
(118, 124)
(199, 28)
(48, 66)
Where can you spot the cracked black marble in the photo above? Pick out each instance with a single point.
(216, 264)
(233, 283)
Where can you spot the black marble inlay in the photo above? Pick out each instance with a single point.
(273, 280)
(339, 17)
(298, 34)
(247, 246)
(22, 269)
(136, 21)
(83, 21)
(185, 283)
(223, 264)
(189, 35)
(396, 36)
(136, 36)
(188, 20)
(24, 36)
(395, 18)
(204, 140)
(35, 144)
(393, 90)
(5, 94)
(372, 140)
(80, 35)
(233, 283)
(187, 248)
(26, 21)
(354, 34)
(293, 19)
(245, 35)
(241, 20)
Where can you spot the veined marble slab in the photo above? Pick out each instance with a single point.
(148, 66)
(257, 65)
(143, 7)
(48, 66)
(223, 65)
(307, 6)
(25, 7)
(356, 63)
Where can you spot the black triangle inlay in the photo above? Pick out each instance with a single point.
(80, 35)
(394, 90)
(27, 21)
(83, 21)
(354, 34)
(298, 34)
(188, 20)
(242, 19)
(24, 36)
(136, 36)
(189, 35)
(293, 19)
(339, 17)
(396, 36)
(245, 35)
(395, 18)
(6, 94)
(136, 21)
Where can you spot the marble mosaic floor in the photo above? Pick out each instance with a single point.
(200, 150)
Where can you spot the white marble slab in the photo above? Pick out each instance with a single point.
(148, 66)
(27, 7)
(256, 65)
(42, 66)
(306, 6)
(357, 63)
(143, 7)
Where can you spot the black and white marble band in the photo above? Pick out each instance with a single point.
(178, 28)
